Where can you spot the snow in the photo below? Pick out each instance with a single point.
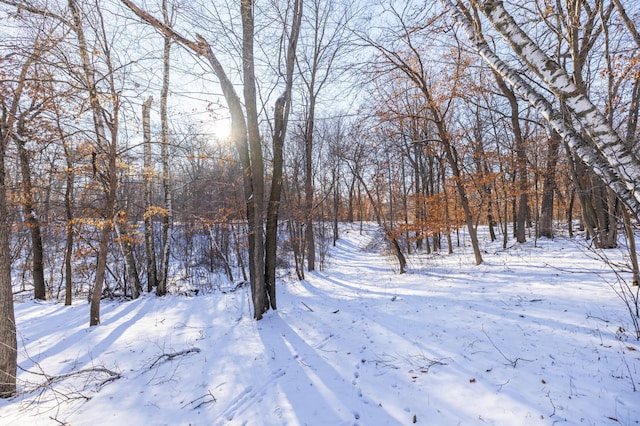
(533, 336)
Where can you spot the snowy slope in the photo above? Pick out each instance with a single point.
(514, 341)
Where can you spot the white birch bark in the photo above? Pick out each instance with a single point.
(609, 158)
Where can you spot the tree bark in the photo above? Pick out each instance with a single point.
(609, 158)
(37, 251)
(521, 160)
(308, 182)
(167, 218)
(255, 202)
(8, 342)
(545, 228)
(68, 208)
(149, 234)
(131, 270)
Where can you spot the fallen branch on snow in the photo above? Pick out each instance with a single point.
(169, 357)
(50, 380)
(203, 400)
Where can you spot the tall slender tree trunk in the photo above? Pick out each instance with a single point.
(520, 216)
(167, 218)
(451, 157)
(131, 270)
(255, 201)
(336, 203)
(106, 146)
(8, 342)
(29, 204)
(549, 187)
(308, 185)
(68, 210)
(68, 252)
(149, 234)
(32, 219)
(281, 120)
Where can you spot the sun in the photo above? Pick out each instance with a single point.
(221, 128)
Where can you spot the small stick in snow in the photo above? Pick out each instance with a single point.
(513, 362)
(208, 394)
(169, 357)
(307, 306)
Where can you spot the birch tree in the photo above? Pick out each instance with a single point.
(167, 217)
(592, 137)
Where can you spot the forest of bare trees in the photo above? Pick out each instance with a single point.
(166, 146)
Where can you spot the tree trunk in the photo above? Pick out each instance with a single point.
(336, 204)
(462, 193)
(281, 120)
(31, 216)
(108, 177)
(633, 254)
(255, 201)
(8, 342)
(520, 216)
(68, 253)
(308, 189)
(549, 187)
(68, 209)
(133, 280)
(167, 218)
(149, 234)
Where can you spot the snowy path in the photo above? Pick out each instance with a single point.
(511, 342)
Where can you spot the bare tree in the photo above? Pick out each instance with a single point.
(281, 118)
(407, 59)
(244, 133)
(322, 48)
(604, 152)
(106, 126)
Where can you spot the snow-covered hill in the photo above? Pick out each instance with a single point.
(535, 335)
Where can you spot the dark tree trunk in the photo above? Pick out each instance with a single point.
(549, 187)
(8, 342)
(521, 160)
(131, 270)
(281, 119)
(33, 223)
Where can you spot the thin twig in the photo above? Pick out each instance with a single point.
(513, 362)
(552, 404)
(208, 394)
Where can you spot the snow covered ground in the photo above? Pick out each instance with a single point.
(534, 336)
